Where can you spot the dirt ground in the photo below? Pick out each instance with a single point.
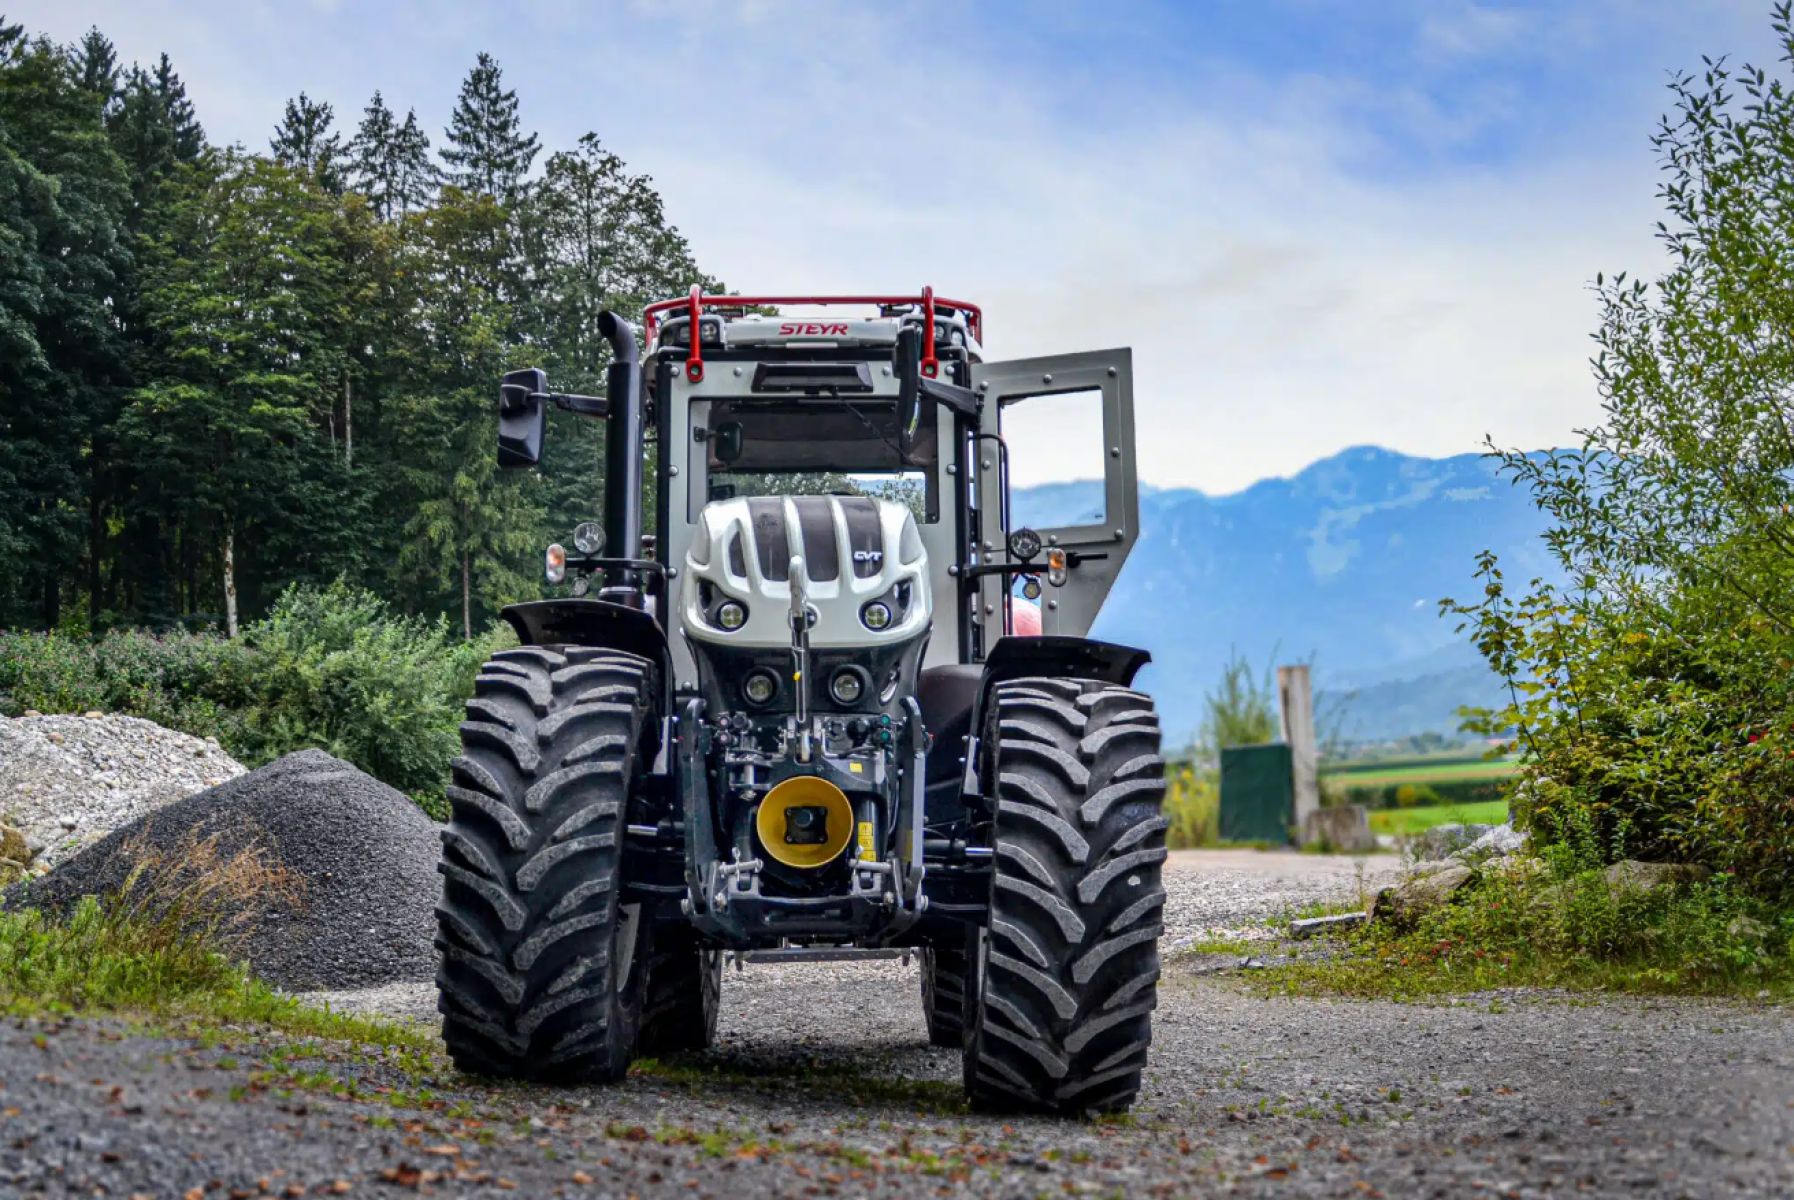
(823, 1084)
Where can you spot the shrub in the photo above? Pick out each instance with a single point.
(335, 669)
(1413, 795)
(1193, 805)
(181, 681)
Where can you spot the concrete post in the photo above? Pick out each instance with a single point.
(1295, 694)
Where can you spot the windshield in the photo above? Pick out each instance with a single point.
(819, 446)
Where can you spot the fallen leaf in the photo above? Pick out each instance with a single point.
(581, 1177)
(405, 1175)
(448, 1150)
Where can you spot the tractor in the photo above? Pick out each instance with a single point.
(784, 715)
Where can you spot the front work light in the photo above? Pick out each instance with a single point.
(847, 686)
(555, 563)
(876, 615)
(588, 537)
(759, 687)
(731, 615)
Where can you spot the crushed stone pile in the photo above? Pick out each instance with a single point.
(366, 853)
(67, 781)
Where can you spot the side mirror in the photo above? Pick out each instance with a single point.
(522, 417)
(727, 442)
(909, 388)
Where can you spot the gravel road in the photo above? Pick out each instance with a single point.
(823, 1084)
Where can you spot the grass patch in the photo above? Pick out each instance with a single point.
(1564, 924)
(1406, 822)
(162, 947)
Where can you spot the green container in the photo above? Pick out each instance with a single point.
(1258, 793)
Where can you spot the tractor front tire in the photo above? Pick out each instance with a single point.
(685, 983)
(539, 978)
(1065, 977)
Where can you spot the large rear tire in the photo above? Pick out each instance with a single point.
(539, 976)
(1066, 974)
(685, 983)
(944, 995)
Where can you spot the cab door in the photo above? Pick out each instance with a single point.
(1058, 432)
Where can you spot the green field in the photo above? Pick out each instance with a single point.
(1396, 773)
(1409, 821)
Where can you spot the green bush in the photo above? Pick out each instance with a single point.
(335, 669)
(1416, 795)
(1193, 805)
(190, 682)
(1653, 689)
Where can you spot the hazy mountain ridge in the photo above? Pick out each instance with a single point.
(1344, 561)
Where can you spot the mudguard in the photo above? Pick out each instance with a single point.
(583, 622)
(1052, 658)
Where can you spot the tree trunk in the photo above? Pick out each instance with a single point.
(348, 426)
(96, 541)
(230, 584)
(466, 597)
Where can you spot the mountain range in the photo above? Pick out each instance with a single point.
(1342, 564)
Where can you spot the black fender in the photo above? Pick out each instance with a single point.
(585, 622)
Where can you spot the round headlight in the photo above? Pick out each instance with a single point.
(847, 686)
(588, 537)
(876, 615)
(759, 687)
(731, 615)
(1024, 544)
(554, 563)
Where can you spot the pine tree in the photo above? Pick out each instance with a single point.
(303, 141)
(96, 68)
(415, 176)
(389, 163)
(188, 138)
(487, 152)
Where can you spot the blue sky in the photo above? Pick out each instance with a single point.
(1318, 223)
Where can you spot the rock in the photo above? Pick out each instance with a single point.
(1503, 839)
(366, 856)
(1341, 827)
(1443, 840)
(1309, 926)
(1404, 904)
(1649, 876)
(1748, 929)
(68, 774)
(34, 845)
(93, 715)
(32, 712)
(14, 844)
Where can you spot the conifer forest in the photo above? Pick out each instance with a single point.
(226, 370)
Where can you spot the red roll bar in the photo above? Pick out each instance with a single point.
(697, 302)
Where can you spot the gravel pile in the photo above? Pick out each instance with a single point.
(68, 781)
(367, 855)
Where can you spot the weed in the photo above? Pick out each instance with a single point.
(1562, 922)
